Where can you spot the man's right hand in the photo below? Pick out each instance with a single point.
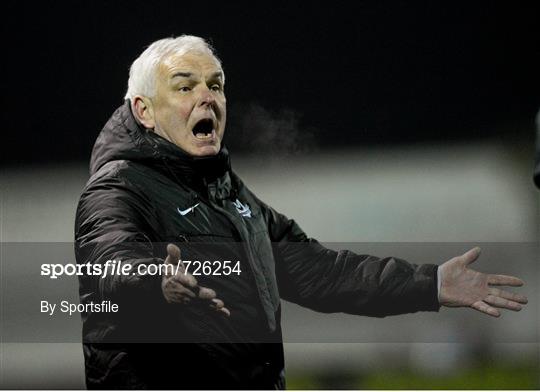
(182, 288)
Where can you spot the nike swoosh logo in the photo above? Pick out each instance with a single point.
(187, 210)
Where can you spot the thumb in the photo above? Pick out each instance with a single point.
(173, 257)
(173, 254)
(470, 256)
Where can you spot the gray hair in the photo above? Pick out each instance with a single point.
(143, 71)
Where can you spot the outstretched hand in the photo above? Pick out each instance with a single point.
(182, 288)
(464, 287)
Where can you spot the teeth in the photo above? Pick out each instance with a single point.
(204, 136)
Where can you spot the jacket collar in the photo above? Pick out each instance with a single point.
(123, 138)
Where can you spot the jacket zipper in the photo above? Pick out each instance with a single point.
(251, 261)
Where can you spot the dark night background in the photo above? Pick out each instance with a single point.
(369, 73)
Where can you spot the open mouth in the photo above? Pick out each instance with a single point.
(204, 129)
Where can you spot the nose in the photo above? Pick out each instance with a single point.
(206, 98)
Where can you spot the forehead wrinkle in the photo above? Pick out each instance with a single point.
(181, 74)
(192, 63)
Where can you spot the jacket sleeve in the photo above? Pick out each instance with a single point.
(328, 281)
(112, 224)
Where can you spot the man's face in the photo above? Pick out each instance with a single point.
(190, 105)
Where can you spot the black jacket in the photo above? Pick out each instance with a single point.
(129, 210)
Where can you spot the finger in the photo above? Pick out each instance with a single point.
(481, 306)
(502, 303)
(470, 256)
(504, 280)
(225, 311)
(206, 293)
(217, 304)
(508, 295)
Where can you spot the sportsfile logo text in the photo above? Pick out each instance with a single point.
(118, 267)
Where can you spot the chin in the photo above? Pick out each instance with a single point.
(205, 151)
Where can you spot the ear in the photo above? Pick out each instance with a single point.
(143, 111)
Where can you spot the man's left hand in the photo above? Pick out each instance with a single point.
(464, 287)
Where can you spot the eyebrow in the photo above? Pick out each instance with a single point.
(218, 74)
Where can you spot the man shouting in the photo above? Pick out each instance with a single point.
(162, 189)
